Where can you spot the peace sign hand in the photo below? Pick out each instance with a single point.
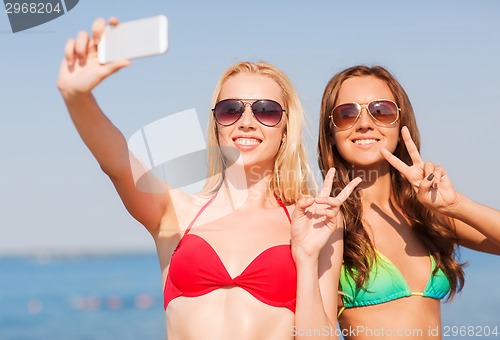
(433, 187)
(315, 219)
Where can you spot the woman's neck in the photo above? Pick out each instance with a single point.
(376, 187)
(247, 187)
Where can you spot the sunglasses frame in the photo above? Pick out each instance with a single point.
(248, 102)
(361, 106)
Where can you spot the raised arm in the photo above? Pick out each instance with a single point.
(79, 74)
(317, 248)
(477, 226)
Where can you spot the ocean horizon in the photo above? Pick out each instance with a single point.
(89, 295)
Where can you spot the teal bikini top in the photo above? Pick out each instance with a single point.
(386, 283)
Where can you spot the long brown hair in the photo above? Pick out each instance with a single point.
(435, 231)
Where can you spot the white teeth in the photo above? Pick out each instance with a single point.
(365, 141)
(247, 141)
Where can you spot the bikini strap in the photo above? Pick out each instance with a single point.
(284, 208)
(340, 312)
(211, 200)
(199, 213)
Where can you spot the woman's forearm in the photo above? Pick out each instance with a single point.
(104, 140)
(311, 320)
(484, 219)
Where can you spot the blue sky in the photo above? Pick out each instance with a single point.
(54, 196)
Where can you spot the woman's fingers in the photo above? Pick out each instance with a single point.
(427, 182)
(301, 205)
(330, 217)
(433, 175)
(410, 146)
(336, 202)
(114, 66)
(97, 29)
(113, 21)
(395, 162)
(80, 71)
(81, 46)
(78, 49)
(333, 202)
(69, 52)
(326, 189)
(398, 164)
(99, 25)
(439, 173)
(349, 188)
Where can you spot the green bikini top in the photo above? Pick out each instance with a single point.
(386, 283)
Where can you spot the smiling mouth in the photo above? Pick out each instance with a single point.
(365, 141)
(247, 141)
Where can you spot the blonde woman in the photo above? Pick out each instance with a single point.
(233, 266)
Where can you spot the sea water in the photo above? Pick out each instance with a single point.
(81, 297)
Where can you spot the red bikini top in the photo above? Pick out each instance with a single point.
(196, 269)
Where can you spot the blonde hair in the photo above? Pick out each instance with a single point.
(291, 177)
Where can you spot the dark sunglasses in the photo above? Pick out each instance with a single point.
(267, 112)
(383, 112)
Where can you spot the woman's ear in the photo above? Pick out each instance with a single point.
(283, 139)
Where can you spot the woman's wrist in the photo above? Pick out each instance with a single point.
(302, 257)
(76, 98)
(455, 209)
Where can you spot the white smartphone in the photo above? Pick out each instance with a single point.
(134, 39)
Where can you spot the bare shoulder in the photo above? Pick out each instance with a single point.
(185, 206)
(175, 221)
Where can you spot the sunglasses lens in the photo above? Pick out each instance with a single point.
(267, 112)
(228, 111)
(344, 116)
(384, 111)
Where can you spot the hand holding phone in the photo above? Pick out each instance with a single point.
(134, 39)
